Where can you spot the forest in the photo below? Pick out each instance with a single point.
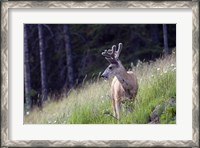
(59, 58)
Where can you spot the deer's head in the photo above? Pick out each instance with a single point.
(112, 56)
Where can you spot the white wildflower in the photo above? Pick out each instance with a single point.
(55, 121)
(27, 113)
(158, 69)
(132, 64)
(172, 65)
(138, 63)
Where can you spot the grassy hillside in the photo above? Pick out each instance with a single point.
(91, 103)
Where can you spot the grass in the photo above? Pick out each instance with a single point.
(91, 103)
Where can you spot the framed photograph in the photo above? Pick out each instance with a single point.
(100, 73)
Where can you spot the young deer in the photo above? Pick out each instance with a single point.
(124, 84)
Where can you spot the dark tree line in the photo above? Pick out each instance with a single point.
(57, 57)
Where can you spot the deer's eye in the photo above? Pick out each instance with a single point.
(110, 67)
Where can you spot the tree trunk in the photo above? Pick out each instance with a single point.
(42, 65)
(70, 74)
(166, 48)
(27, 81)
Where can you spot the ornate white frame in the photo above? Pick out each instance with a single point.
(194, 5)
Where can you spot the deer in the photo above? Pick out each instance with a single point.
(124, 83)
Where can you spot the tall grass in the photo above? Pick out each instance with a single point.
(91, 104)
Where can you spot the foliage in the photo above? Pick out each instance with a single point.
(168, 116)
(91, 102)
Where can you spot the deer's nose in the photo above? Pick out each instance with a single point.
(104, 76)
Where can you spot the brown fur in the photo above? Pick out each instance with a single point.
(120, 90)
(124, 84)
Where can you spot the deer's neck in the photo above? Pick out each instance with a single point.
(123, 78)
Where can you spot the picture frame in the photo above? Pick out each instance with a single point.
(6, 5)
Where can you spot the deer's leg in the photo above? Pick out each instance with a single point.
(117, 107)
(114, 108)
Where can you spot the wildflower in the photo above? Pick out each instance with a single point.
(132, 64)
(152, 75)
(27, 113)
(158, 69)
(172, 65)
(139, 63)
(161, 74)
(49, 122)
(102, 96)
(55, 121)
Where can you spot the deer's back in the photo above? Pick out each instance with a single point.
(117, 90)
